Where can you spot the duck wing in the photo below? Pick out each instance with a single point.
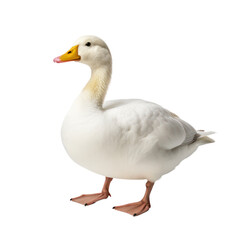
(148, 123)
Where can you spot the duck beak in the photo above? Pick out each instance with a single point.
(70, 55)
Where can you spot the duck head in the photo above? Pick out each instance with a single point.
(89, 50)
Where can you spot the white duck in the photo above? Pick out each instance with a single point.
(127, 139)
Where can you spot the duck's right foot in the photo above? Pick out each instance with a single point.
(88, 199)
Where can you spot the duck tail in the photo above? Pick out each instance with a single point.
(203, 138)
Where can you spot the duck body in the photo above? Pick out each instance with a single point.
(128, 139)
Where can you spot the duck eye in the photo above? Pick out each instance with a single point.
(88, 44)
(69, 52)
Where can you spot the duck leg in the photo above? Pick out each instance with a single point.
(88, 199)
(140, 207)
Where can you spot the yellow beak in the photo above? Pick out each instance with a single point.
(71, 55)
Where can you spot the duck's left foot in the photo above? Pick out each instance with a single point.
(134, 209)
(88, 199)
(140, 207)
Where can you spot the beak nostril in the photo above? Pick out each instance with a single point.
(69, 52)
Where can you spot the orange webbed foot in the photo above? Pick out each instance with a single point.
(88, 199)
(134, 209)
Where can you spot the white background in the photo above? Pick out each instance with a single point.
(183, 55)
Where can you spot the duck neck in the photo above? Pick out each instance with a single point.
(96, 88)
